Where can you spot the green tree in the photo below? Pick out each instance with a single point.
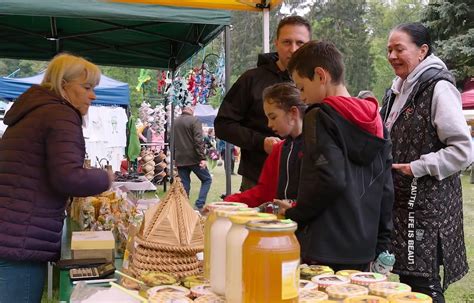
(451, 25)
(344, 22)
(381, 18)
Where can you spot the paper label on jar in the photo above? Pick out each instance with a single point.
(290, 279)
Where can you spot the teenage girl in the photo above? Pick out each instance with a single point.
(280, 174)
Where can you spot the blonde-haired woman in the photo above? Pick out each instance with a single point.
(41, 165)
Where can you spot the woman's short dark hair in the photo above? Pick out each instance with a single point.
(418, 33)
(285, 95)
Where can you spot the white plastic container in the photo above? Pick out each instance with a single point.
(235, 238)
(211, 218)
(219, 231)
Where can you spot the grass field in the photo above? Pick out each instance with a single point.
(459, 292)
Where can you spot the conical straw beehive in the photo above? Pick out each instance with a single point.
(174, 222)
(170, 237)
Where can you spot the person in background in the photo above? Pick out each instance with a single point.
(241, 120)
(233, 152)
(280, 174)
(210, 146)
(431, 145)
(345, 193)
(41, 165)
(189, 154)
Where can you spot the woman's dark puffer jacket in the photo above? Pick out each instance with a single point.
(41, 157)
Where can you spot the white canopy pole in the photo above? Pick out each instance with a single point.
(266, 30)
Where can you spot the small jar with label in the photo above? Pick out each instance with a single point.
(218, 251)
(270, 262)
(211, 218)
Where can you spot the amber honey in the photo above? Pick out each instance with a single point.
(270, 262)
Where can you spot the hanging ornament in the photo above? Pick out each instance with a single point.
(144, 77)
(162, 83)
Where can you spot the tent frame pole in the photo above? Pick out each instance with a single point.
(266, 30)
(228, 152)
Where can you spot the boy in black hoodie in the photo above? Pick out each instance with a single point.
(345, 196)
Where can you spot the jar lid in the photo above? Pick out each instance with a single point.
(168, 289)
(226, 213)
(309, 271)
(232, 205)
(168, 297)
(410, 297)
(345, 291)
(347, 272)
(310, 296)
(201, 290)
(272, 225)
(385, 289)
(210, 299)
(363, 299)
(367, 278)
(243, 219)
(307, 285)
(326, 280)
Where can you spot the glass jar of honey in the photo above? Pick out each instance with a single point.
(235, 239)
(270, 262)
(211, 218)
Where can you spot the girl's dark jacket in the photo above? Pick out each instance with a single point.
(41, 165)
(345, 196)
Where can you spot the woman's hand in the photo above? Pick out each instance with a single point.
(403, 168)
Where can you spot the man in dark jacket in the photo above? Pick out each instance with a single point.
(345, 196)
(241, 120)
(189, 153)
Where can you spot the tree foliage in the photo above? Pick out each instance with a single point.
(381, 18)
(451, 25)
(343, 22)
(359, 28)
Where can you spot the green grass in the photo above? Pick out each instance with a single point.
(463, 290)
(459, 292)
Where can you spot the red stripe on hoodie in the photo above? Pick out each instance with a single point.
(362, 112)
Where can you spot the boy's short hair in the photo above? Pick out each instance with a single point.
(293, 20)
(314, 54)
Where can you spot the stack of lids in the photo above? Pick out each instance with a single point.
(367, 278)
(344, 291)
(311, 296)
(326, 280)
(170, 237)
(385, 289)
(364, 299)
(410, 297)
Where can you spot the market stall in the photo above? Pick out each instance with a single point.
(106, 33)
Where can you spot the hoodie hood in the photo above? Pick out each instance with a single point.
(35, 97)
(362, 112)
(267, 58)
(358, 126)
(268, 61)
(404, 87)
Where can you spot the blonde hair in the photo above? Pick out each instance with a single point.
(66, 67)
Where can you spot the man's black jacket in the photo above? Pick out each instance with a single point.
(241, 119)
